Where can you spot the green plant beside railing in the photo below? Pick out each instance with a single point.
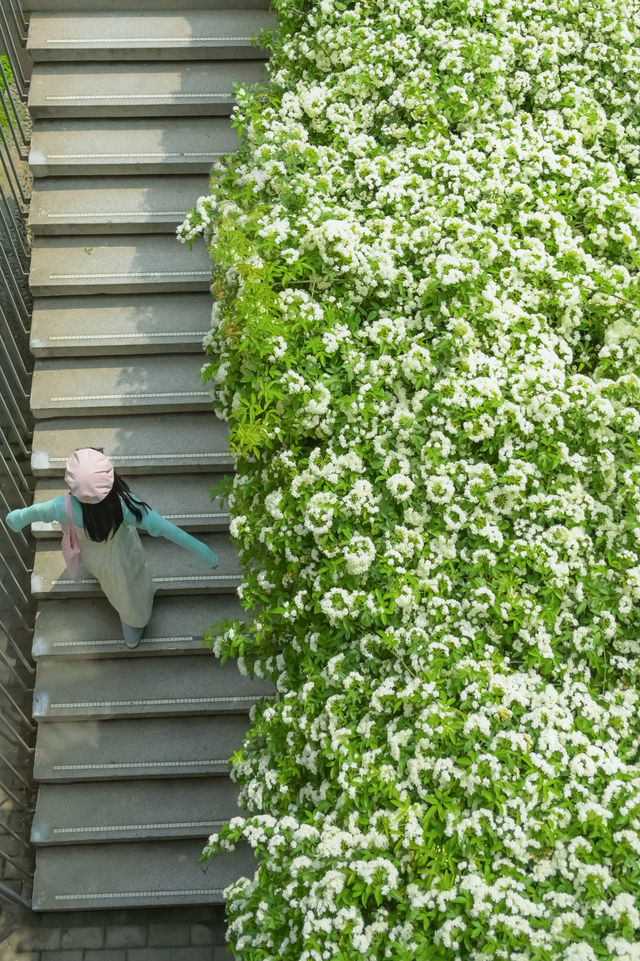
(8, 115)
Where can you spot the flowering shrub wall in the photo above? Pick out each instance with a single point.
(425, 338)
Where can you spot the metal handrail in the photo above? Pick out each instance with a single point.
(16, 676)
(14, 834)
(16, 484)
(17, 650)
(11, 895)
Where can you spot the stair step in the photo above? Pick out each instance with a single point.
(142, 687)
(89, 6)
(113, 205)
(121, 264)
(105, 146)
(121, 324)
(155, 747)
(87, 386)
(137, 444)
(140, 89)
(85, 877)
(185, 500)
(116, 811)
(195, 34)
(85, 627)
(172, 568)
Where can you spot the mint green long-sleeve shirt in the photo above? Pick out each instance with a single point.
(152, 522)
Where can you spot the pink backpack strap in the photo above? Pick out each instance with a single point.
(70, 546)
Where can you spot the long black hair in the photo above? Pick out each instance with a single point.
(103, 519)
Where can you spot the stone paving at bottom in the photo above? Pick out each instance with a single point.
(151, 934)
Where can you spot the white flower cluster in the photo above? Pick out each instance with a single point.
(425, 339)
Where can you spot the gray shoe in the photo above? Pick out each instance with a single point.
(132, 635)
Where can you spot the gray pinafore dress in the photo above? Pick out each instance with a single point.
(120, 565)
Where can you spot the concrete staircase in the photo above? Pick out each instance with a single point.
(130, 110)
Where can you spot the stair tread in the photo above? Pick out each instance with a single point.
(132, 810)
(165, 34)
(107, 145)
(136, 443)
(113, 204)
(173, 569)
(89, 264)
(134, 323)
(149, 88)
(140, 873)
(144, 747)
(142, 686)
(86, 627)
(87, 386)
(185, 500)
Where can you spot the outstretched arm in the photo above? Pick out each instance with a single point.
(53, 510)
(158, 526)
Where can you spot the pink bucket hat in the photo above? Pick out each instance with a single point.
(89, 475)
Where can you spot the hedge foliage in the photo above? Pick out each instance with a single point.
(426, 339)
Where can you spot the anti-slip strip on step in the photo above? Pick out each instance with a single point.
(199, 577)
(120, 156)
(139, 273)
(55, 525)
(119, 641)
(137, 894)
(157, 580)
(121, 40)
(139, 827)
(123, 213)
(156, 701)
(134, 457)
(138, 395)
(142, 96)
(120, 765)
(208, 514)
(183, 334)
(159, 153)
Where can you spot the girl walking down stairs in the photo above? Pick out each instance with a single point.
(100, 516)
